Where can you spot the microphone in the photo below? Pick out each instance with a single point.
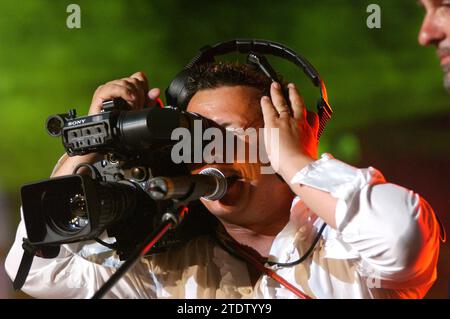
(210, 184)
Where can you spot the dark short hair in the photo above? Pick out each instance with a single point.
(215, 75)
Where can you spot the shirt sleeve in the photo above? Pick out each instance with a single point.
(78, 271)
(393, 230)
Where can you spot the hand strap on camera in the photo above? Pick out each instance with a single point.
(29, 251)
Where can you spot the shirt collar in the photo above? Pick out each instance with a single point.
(297, 236)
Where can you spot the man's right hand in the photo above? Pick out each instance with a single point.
(134, 90)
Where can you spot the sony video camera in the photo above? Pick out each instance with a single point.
(135, 147)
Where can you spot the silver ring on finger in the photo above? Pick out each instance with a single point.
(284, 111)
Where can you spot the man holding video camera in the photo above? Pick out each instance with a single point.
(382, 241)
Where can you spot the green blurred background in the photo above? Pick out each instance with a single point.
(391, 111)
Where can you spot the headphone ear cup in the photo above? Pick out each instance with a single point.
(323, 111)
(177, 93)
(320, 107)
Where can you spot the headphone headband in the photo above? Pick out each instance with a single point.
(207, 54)
(177, 95)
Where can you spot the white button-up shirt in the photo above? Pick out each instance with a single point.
(386, 245)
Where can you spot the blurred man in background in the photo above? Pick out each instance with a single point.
(436, 31)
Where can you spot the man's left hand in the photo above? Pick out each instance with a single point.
(297, 131)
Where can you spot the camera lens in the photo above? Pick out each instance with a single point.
(79, 218)
(66, 209)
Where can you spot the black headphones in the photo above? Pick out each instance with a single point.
(177, 93)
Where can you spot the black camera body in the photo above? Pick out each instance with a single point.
(119, 130)
(134, 146)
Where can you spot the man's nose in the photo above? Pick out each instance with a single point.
(432, 31)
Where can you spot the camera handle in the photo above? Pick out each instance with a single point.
(169, 220)
(29, 251)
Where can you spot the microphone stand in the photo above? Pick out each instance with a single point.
(170, 219)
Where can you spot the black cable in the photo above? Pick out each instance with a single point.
(131, 261)
(95, 174)
(112, 246)
(308, 252)
(272, 263)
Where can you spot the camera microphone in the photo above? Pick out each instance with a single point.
(210, 184)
